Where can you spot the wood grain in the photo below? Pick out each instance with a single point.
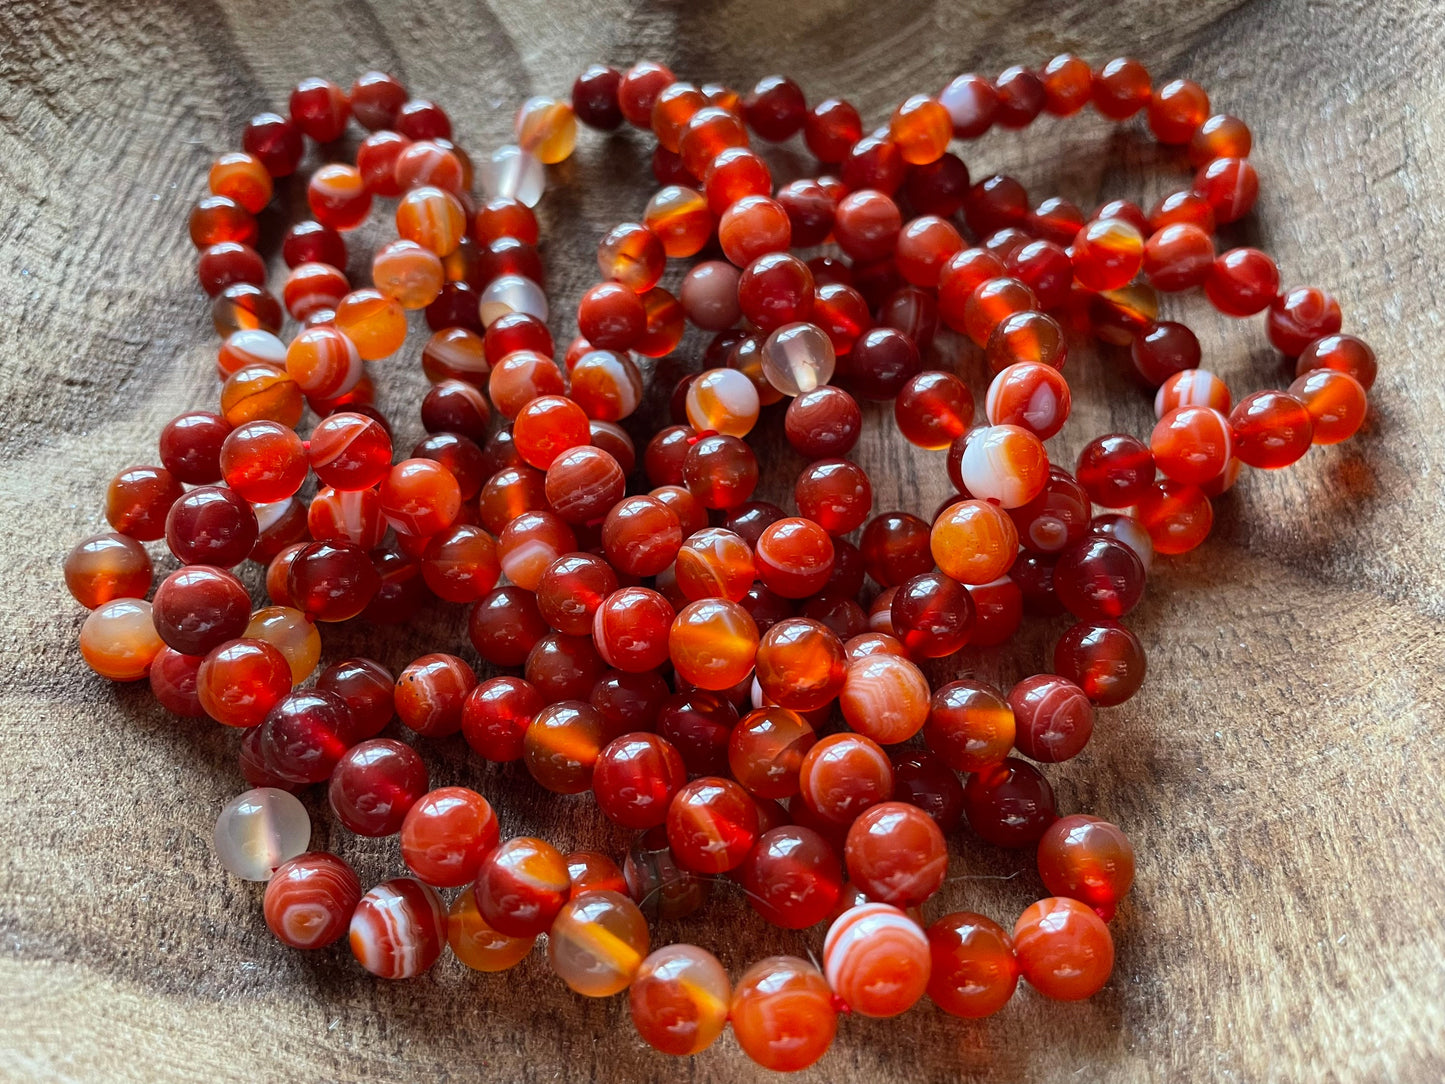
(1279, 773)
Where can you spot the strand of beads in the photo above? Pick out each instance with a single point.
(725, 607)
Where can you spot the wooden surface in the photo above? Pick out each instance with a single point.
(1278, 773)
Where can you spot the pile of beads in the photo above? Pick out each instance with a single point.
(683, 647)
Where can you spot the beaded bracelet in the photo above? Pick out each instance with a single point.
(592, 711)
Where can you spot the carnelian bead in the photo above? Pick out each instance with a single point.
(561, 746)
(1107, 254)
(932, 615)
(447, 834)
(460, 564)
(895, 548)
(681, 220)
(409, 274)
(1230, 185)
(634, 780)
(896, 853)
(571, 589)
(476, 944)
(277, 141)
(420, 497)
(783, 1014)
(375, 99)
(1063, 948)
(605, 383)
(867, 224)
(714, 563)
(1182, 207)
(1121, 88)
(823, 422)
(1020, 97)
(974, 541)
(611, 316)
(520, 377)
(800, 664)
(1104, 659)
(631, 627)
(679, 999)
(1089, 860)
(1272, 429)
(138, 500)
(119, 640)
(496, 714)
(721, 471)
(794, 557)
(751, 227)
(932, 409)
(228, 262)
(1191, 387)
(338, 197)
(509, 493)
(632, 255)
(641, 535)
(1340, 353)
(830, 130)
(1221, 136)
(1030, 395)
(765, 751)
(1027, 337)
(1300, 317)
(974, 969)
(522, 885)
(374, 322)
(243, 306)
(263, 461)
(970, 725)
(1177, 515)
(243, 178)
(993, 301)
(775, 108)
(548, 426)
(106, 567)
(218, 219)
(843, 775)
(734, 174)
(673, 107)
(724, 401)
(210, 525)
(709, 295)
(1003, 463)
(1009, 804)
(531, 542)
(924, 246)
(1067, 84)
(965, 272)
(691, 515)
(240, 681)
(835, 494)
(1045, 268)
(433, 218)
(972, 102)
(427, 163)
(1176, 111)
(712, 824)
(712, 643)
(921, 129)
(1162, 349)
(708, 133)
(776, 289)
(1192, 444)
(884, 697)
(1335, 401)
(1242, 282)
(1178, 257)
(663, 325)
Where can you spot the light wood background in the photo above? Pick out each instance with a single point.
(1279, 773)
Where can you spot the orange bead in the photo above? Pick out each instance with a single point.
(974, 542)
(476, 944)
(1064, 949)
(801, 664)
(409, 274)
(433, 218)
(1107, 254)
(241, 177)
(547, 129)
(338, 196)
(374, 322)
(680, 218)
(712, 643)
(921, 127)
(1192, 444)
(752, 227)
(119, 640)
(1176, 111)
(1272, 429)
(1003, 463)
(708, 133)
(680, 999)
(782, 1013)
(715, 563)
(1089, 860)
(1335, 401)
(724, 401)
(970, 725)
(1221, 136)
(993, 301)
(884, 697)
(1121, 88)
(974, 969)
(1177, 516)
(261, 393)
(1191, 387)
(1027, 337)
(1068, 82)
(632, 255)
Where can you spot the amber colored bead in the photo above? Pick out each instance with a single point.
(921, 129)
(263, 461)
(547, 129)
(1104, 659)
(1030, 395)
(663, 325)
(1271, 429)
(715, 563)
(823, 422)
(835, 494)
(884, 697)
(766, 749)
(520, 377)
(476, 944)
(1242, 282)
(312, 288)
(712, 824)
(991, 303)
(531, 542)
(338, 196)
(597, 942)
(752, 226)
(433, 218)
(974, 541)
(1176, 111)
(734, 174)
(1220, 136)
(1064, 949)
(641, 535)
(681, 220)
(218, 219)
(522, 886)
(1340, 353)
(974, 970)
(794, 557)
(1335, 402)
(708, 133)
(1107, 254)
(843, 775)
(970, 725)
(679, 999)
(721, 471)
(783, 1014)
(800, 664)
(605, 383)
(119, 640)
(138, 500)
(1067, 84)
(241, 681)
(1089, 860)
(243, 178)
(420, 497)
(106, 567)
(1192, 444)
(1230, 185)
(959, 277)
(673, 107)
(243, 306)
(1121, 88)
(562, 744)
(712, 643)
(630, 629)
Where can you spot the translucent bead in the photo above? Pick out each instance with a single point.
(289, 632)
(546, 128)
(798, 358)
(476, 944)
(877, 960)
(259, 830)
(119, 640)
(783, 1014)
(398, 928)
(597, 942)
(512, 173)
(512, 293)
(679, 999)
(1004, 463)
(723, 400)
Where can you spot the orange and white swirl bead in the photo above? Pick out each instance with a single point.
(398, 928)
(876, 959)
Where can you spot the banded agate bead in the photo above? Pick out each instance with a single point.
(877, 960)
(679, 999)
(398, 928)
(310, 899)
(783, 1014)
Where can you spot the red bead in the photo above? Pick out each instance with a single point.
(1300, 317)
(1271, 429)
(896, 854)
(635, 779)
(830, 129)
(1068, 84)
(1230, 186)
(310, 899)
(712, 824)
(1089, 860)
(595, 97)
(776, 289)
(522, 886)
(1242, 282)
(1064, 949)
(1177, 515)
(1121, 88)
(1009, 804)
(277, 141)
(1052, 716)
(1341, 353)
(974, 970)
(776, 108)
(1021, 97)
(241, 681)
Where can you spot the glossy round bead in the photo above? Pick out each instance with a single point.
(775, 290)
(432, 218)
(635, 779)
(932, 614)
(1176, 111)
(715, 563)
(1107, 254)
(367, 689)
(447, 834)
(571, 589)
(798, 358)
(198, 608)
(932, 409)
(896, 854)
(751, 227)
(679, 999)
(783, 1014)
(547, 129)
(1192, 444)
(698, 725)
(1301, 316)
(1089, 860)
(375, 784)
(241, 681)
(1104, 659)
(398, 929)
(476, 944)
(974, 970)
(974, 541)
(349, 452)
(305, 735)
(107, 567)
(712, 824)
(823, 422)
(1335, 402)
(277, 141)
(257, 391)
(991, 303)
(884, 697)
(830, 130)
(522, 886)
(734, 174)
(373, 321)
(792, 876)
(1063, 948)
(227, 263)
(843, 775)
(1341, 353)
(258, 831)
(310, 899)
(708, 133)
(794, 557)
(119, 640)
(631, 254)
(921, 127)
(430, 693)
(712, 643)
(263, 461)
(1009, 804)
(597, 942)
(1272, 429)
(595, 97)
(1229, 185)
(877, 960)
(1242, 282)
(420, 497)
(766, 750)
(1178, 256)
(242, 306)
(1053, 717)
(800, 664)
(641, 535)
(631, 629)
(681, 220)
(505, 625)
(835, 494)
(1177, 516)
(1031, 395)
(138, 501)
(709, 295)
(496, 714)
(724, 401)
(219, 219)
